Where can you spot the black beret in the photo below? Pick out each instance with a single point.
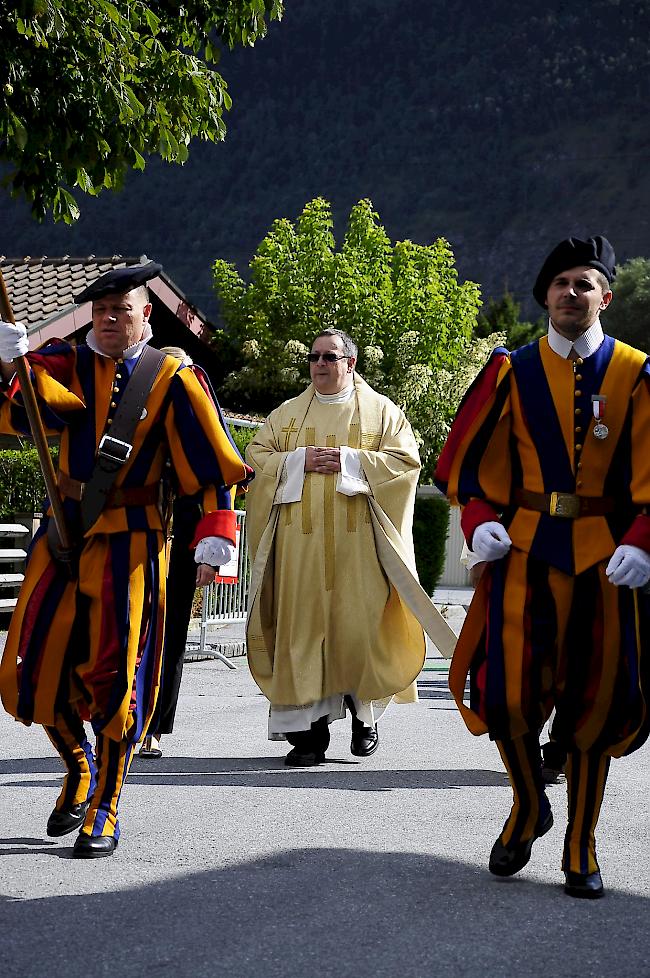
(596, 253)
(119, 280)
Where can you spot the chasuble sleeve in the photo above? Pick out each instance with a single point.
(392, 468)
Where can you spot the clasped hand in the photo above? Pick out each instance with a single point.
(327, 461)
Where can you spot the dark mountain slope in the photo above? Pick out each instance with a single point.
(502, 127)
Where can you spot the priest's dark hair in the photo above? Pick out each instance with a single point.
(349, 346)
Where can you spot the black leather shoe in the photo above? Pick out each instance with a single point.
(67, 820)
(296, 758)
(552, 775)
(365, 740)
(94, 846)
(508, 860)
(589, 886)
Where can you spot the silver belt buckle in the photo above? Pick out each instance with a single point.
(114, 450)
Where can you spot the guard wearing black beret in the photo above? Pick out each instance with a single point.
(548, 458)
(89, 648)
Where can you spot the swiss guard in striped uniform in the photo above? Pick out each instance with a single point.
(549, 457)
(86, 643)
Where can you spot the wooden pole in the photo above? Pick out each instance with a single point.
(38, 432)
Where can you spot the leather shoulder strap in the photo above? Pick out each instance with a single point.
(115, 449)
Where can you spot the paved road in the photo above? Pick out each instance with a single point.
(233, 866)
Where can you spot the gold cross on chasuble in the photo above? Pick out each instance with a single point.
(288, 431)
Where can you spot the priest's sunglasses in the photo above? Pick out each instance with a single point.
(327, 357)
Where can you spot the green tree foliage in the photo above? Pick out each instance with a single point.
(402, 304)
(89, 88)
(503, 316)
(628, 315)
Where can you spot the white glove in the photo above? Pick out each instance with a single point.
(629, 565)
(491, 541)
(215, 551)
(13, 341)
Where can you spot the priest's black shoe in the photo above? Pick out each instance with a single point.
(365, 740)
(508, 860)
(296, 758)
(94, 846)
(589, 886)
(67, 820)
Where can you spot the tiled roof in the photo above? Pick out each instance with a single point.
(39, 288)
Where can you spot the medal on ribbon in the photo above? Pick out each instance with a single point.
(598, 402)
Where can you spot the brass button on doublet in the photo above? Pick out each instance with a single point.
(113, 404)
(578, 410)
(579, 484)
(578, 448)
(578, 376)
(578, 393)
(578, 430)
(110, 421)
(579, 360)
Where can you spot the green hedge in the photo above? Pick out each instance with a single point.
(22, 489)
(430, 531)
(241, 437)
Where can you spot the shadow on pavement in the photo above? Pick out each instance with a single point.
(327, 913)
(268, 772)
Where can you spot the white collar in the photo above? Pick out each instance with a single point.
(585, 345)
(339, 398)
(130, 353)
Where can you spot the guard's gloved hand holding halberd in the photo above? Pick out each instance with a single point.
(629, 566)
(491, 541)
(13, 341)
(215, 551)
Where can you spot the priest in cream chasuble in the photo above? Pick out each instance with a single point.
(336, 614)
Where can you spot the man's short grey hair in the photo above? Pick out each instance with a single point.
(142, 292)
(349, 346)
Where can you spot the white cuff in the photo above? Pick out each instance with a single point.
(351, 480)
(468, 558)
(292, 479)
(214, 551)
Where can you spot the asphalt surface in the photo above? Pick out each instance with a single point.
(232, 865)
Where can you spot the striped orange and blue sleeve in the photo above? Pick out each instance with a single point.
(203, 455)
(474, 466)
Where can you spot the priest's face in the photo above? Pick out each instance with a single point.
(331, 376)
(119, 320)
(575, 298)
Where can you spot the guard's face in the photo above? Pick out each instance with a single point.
(331, 378)
(119, 320)
(574, 300)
